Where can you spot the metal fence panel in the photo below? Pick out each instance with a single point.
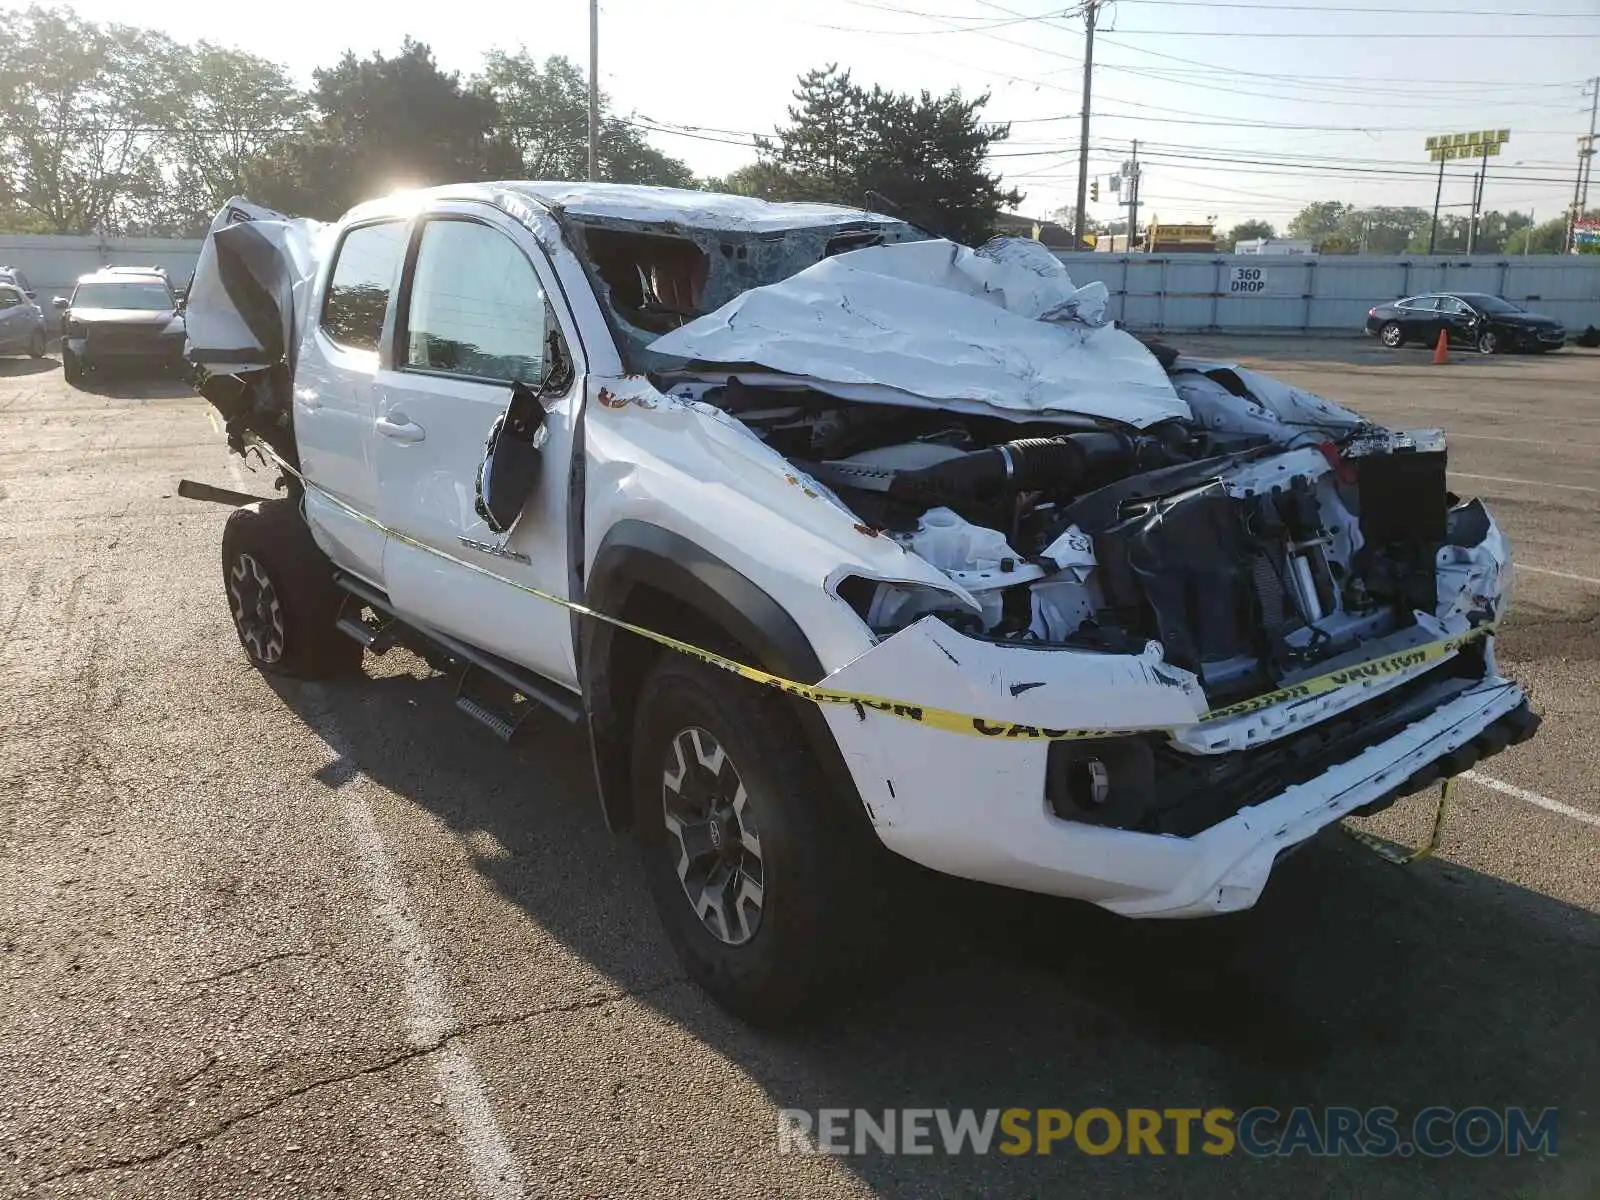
(1310, 293)
(52, 263)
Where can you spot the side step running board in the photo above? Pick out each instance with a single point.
(522, 682)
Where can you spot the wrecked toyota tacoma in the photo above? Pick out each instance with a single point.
(1190, 615)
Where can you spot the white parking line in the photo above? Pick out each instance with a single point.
(1566, 487)
(1559, 574)
(430, 1018)
(1534, 798)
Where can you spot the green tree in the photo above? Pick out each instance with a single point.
(1548, 237)
(386, 123)
(921, 157)
(764, 179)
(544, 113)
(1319, 220)
(1247, 231)
(238, 110)
(82, 112)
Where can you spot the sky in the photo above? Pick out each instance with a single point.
(1248, 108)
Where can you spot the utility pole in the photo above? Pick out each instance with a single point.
(1130, 170)
(1477, 201)
(1580, 186)
(594, 90)
(1090, 8)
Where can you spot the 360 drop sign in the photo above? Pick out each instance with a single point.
(1247, 281)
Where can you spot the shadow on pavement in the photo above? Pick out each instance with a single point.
(1353, 983)
(18, 368)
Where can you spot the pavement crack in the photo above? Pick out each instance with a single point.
(250, 966)
(221, 1127)
(387, 1063)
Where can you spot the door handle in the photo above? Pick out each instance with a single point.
(399, 429)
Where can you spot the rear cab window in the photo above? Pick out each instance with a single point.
(364, 270)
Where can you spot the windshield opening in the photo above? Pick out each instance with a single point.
(652, 281)
(142, 297)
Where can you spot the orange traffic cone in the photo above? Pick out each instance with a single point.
(1441, 352)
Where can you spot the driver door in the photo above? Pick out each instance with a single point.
(472, 322)
(1459, 320)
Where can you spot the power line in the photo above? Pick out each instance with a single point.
(1387, 34)
(1383, 12)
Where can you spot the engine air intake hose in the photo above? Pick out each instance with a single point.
(1058, 464)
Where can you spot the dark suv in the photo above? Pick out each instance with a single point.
(121, 317)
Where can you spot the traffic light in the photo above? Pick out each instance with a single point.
(1094, 189)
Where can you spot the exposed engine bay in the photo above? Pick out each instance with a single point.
(1252, 548)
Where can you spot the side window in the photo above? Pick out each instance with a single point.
(9, 297)
(1424, 304)
(1450, 304)
(358, 291)
(477, 307)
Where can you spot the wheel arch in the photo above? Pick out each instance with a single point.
(665, 582)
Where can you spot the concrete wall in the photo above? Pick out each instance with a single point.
(52, 262)
(1250, 293)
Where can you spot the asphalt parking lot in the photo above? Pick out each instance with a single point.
(260, 938)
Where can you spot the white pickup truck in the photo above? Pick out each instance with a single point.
(1191, 615)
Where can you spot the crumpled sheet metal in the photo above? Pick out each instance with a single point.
(1003, 326)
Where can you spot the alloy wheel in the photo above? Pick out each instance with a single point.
(712, 835)
(256, 612)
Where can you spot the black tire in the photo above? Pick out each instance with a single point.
(71, 366)
(37, 344)
(1489, 342)
(281, 594)
(1392, 336)
(813, 859)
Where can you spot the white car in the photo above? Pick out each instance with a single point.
(1090, 618)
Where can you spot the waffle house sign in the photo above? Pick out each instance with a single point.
(1479, 144)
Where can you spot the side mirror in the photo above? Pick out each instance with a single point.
(31, 295)
(513, 460)
(61, 302)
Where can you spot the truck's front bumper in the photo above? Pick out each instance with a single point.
(977, 807)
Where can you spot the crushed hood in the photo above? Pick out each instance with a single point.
(1002, 326)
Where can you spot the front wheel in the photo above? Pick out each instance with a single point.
(758, 874)
(1488, 342)
(71, 366)
(1392, 336)
(281, 594)
(36, 344)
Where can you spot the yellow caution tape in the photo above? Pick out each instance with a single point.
(1402, 857)
(944, 719)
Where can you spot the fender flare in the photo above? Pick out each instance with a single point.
(635, 553)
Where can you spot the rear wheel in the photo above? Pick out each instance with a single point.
(756, 871)
(1392, 336)
(281, 594)
(36, 344)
